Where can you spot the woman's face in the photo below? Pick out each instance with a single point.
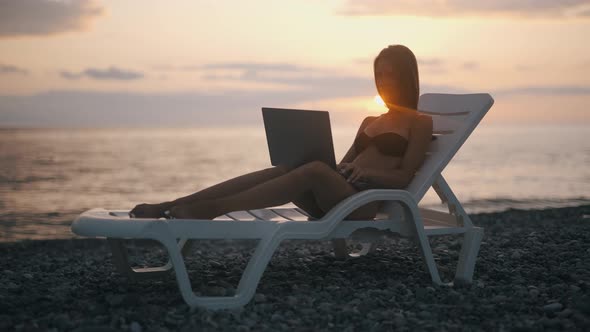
(386, 81)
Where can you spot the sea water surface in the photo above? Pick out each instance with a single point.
(48, 176)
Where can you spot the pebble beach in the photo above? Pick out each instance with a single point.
(532, 274)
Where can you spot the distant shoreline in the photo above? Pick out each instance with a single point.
(481, 218)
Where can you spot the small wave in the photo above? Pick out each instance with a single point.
(29, 179)
(498, 204)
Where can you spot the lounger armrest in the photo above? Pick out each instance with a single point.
(347, 206)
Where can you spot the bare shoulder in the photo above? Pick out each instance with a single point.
(423, 122)
(368, 120)
(365, 123)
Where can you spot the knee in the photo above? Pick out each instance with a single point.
(314, 170)
(282, 169)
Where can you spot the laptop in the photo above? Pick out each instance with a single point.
(296, 137)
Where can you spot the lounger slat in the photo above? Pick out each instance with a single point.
(291, 214)
(253, 215)
(302, 212)
(452, 104)
(445, 124)
(242, 216)
(435, 113)
(229, 215)
(267, 214)
(440, 217)
(305, 214)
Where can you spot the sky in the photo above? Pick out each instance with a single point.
(216, 63)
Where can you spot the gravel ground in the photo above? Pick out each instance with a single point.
(532, 274)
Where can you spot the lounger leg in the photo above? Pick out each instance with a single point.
(340, 250)
(468, 255)
(246, 287)
(426, 251)
(120, 257)
(422, 239)
(121, 261)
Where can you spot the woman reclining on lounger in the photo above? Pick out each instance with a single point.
(386, 153)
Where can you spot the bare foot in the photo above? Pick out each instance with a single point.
(195, 210)
(147, 211)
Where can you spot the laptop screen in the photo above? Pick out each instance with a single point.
(296, 137)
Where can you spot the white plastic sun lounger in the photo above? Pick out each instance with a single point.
(455, 117)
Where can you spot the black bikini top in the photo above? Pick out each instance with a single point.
(387, 143)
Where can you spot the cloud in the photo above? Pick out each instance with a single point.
(435, 65)
(470, 65)
(447, 8)
(45, 17)
(227, 108)
(551, 90)
(111, 73)
(278, 73)
(239, 66)
(10, 69)
(248, 66)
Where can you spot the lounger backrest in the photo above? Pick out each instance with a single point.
(454, 118)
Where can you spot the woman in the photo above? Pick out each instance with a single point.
(386, 153)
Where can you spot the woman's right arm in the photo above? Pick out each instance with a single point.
(351, 154)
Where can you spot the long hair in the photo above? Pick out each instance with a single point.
(405, 65)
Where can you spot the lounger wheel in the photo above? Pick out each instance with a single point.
(341, 248)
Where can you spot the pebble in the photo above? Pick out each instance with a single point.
(216, 291)
(565, 313)
(500, 298)
(259, 298)
(115, 299)
(552, 307)
(424, 314)
(61, 321)
(12, 286)
(135, 327)
(291, 300)
(399, 320)
(97, 329)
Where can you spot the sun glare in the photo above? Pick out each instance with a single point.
(376, 105)
(379, 101)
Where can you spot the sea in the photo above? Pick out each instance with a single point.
(49, 176)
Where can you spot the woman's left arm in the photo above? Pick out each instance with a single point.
(418, 142)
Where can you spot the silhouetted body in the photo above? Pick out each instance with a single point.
(387, 151)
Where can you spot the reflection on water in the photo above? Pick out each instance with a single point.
(47, 176)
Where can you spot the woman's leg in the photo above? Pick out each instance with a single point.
(327, 186)
(231, 186)
(308, 203)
